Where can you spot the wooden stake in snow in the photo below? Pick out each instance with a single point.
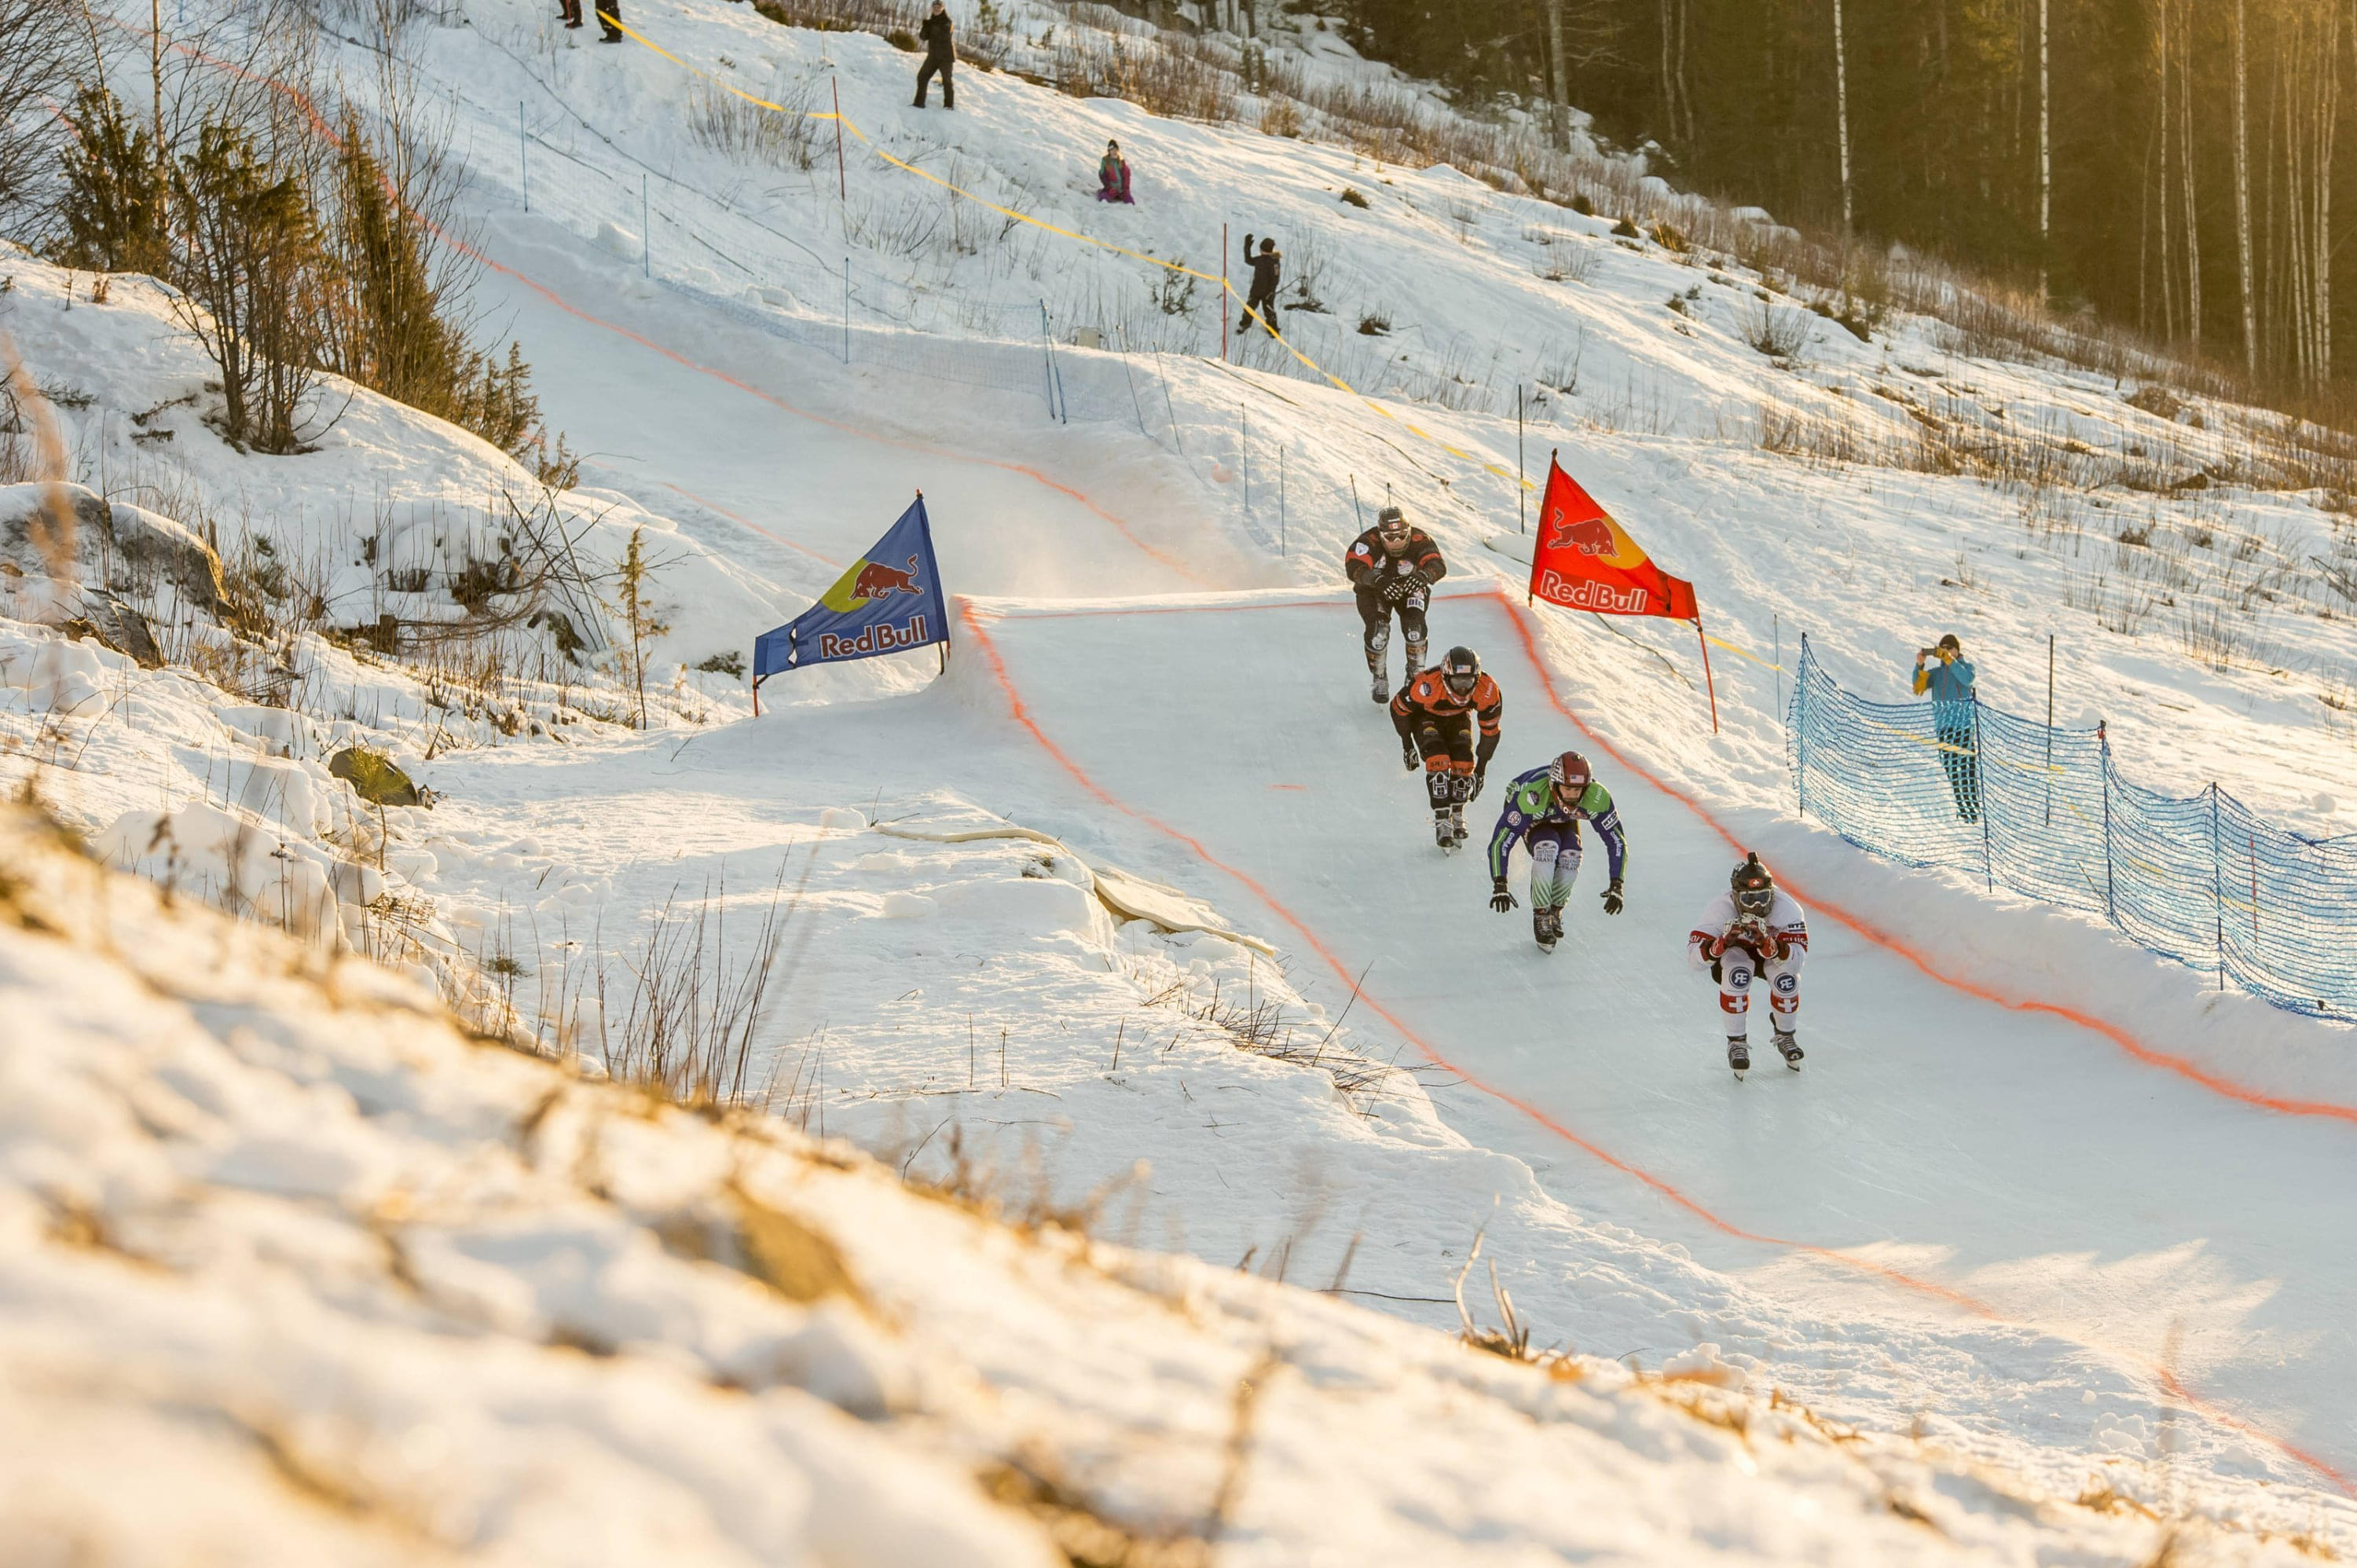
(842, 180)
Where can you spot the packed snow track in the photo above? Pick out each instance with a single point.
(1940, 1150)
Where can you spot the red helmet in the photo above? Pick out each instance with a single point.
(1569, 774)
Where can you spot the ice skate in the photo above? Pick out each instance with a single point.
(1789, 1047)
(1739, 1057)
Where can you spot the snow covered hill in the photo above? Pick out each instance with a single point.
(1130, 914)
(294, 1273)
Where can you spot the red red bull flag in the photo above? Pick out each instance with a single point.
(889, 600)
(1586, 561)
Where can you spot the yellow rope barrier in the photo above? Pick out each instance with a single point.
(1180, 268)
(1742, 652)
(1226, 287)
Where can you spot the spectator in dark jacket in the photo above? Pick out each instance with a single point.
(609, 12)
(569, 12)
(1949, 683)
(1112, 176)
(941, 55)
(1262, 301)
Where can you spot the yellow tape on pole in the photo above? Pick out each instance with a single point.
(1741, 652)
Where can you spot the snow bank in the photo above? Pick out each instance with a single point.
(292, 1270)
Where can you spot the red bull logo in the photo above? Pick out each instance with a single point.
(1589, 595)
(876, 638)
(1589, 536)
(876, 581)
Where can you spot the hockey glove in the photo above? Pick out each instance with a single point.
(1408, 758)
(1499, 898)
(1716, 977)
(1394, 589)
(1612, 897)
(1480, 776)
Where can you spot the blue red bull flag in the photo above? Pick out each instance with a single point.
(890, 600)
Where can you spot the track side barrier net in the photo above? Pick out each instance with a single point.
(2043, 812)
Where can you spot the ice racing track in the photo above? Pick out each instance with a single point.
(1948, 1153)
(1945, 1157)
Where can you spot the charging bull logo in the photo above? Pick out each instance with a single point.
(870, 581)
(1594, 535)
(1589, 536)
(876, 580)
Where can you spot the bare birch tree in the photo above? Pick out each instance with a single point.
(1841, 101)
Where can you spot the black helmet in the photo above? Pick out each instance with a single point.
(1754, 889)
(1461, 671)
(1391, 523)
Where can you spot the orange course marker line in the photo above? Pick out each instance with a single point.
(1021, 714)
(1316, 945)
(2215, 1082)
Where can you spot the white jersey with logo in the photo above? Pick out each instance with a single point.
(1786, 919)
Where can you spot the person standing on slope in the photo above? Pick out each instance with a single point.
(1754, 928)
(1392, 568)
(1949, 683)
(941, 55)
(1262, 301)
(1437, 713)
(1543, 810)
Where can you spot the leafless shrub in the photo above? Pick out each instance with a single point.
(2120, 608)
(1776, 331)
(38, 41)
(727, 124)
(2211, 634)
(1562, 258)
(879, 17)
(1263, 1028)
(691, 1013)
(1163, 80)
(1815, 439)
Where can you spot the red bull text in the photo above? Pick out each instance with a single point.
(875, 639)
(1588, 595)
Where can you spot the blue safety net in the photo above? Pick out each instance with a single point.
(2042, 811)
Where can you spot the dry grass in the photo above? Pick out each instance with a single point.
(684, 1025)
(726, 124)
